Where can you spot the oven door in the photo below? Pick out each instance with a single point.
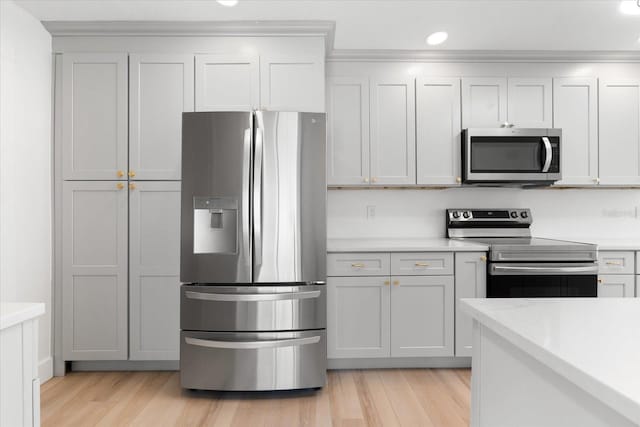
(511, 155)
(540, 280)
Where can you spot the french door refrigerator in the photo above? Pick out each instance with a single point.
(253, 251)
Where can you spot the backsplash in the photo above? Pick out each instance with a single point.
(561, 213)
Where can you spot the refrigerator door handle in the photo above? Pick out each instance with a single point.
(252, 345)
(246, 197)
(252, 297)
(257, 193)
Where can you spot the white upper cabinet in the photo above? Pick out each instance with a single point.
(154, 282)
(393, 143)
(227, 82)
(488, 102)
(438, 129)
(160, 90)
(94, 270)
(94, 116)
(348, 131)
(619, 149)
(575, 111)
(292, 83)
(484, 102)
(529, 102)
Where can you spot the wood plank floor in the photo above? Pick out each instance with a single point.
(393, 397)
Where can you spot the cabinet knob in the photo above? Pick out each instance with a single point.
(600, 281)
(374, 179)
(132, 174)
(365, 179)
(396, 282)
(132, 186)
(386, 283)
(120, 174)
(458, 179)
(483, 258)
(119, 186)
(596, 180)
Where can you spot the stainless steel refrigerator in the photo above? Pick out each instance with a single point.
(253, 251)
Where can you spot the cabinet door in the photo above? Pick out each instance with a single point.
(94, 116)
(619, 132)
(438, 129)
(529, 102)
(94, 270)
(422, 316)
(393, 131)
(227, 82)
(348, 131)
(617, 286)
(575, 111)
(358, 317)
(484, 102)
(471, 282)
(154, 270)
(160, 90)
(292, 83)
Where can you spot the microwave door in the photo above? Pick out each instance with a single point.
(215, 206)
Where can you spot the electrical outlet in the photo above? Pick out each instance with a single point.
(371, 212)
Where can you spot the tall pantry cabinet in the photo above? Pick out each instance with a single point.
(120, 147)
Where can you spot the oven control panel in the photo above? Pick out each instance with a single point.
(485, 216)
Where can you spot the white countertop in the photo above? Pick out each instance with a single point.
(593, 342)
(12, 313)
(403, 245)
(608, 244)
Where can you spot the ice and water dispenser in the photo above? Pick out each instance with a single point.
(215, 225)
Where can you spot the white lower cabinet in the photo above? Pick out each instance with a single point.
(358, 317)
(154, 270)
(616, 285)
(471, 282)
(422, 316)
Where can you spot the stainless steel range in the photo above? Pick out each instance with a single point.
(521, 265)
(253, 255)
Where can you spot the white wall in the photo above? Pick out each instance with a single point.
(25, 166)
(574, 213)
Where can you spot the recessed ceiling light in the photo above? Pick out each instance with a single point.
(437, 38)
(630, 7)
(228, 3)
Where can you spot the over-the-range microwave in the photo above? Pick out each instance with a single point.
(511, 156)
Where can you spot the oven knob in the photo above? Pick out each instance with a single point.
(466, 214)
(456, 215)
(514, 214)
(524, 214)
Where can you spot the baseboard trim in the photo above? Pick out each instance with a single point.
(400, 362)
(126, 365)
(45, 369)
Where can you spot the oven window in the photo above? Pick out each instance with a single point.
(505, 154)
(508, 286)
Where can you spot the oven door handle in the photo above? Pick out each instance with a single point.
(497, 269)
(548, 154)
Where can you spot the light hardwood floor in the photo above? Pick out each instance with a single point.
(394, 397)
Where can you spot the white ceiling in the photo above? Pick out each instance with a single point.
(394, 24)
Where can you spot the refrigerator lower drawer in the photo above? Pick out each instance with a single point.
(245, 361)
(252, 308)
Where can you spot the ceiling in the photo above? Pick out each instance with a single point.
(585, 25)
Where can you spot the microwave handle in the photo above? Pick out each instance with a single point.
(548, 155)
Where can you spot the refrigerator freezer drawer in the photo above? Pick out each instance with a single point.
(252, 308)
(253, 361)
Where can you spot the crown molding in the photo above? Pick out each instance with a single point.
(325, 29)
(389, 55)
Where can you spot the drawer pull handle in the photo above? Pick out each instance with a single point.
(613, 263)
(251, 297)
(422, 264)
(252, 345)
(357, 265)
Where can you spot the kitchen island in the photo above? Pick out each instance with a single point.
(555, 362)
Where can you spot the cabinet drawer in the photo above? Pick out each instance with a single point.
(616, 262)
(422, 263)
(358, 264)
